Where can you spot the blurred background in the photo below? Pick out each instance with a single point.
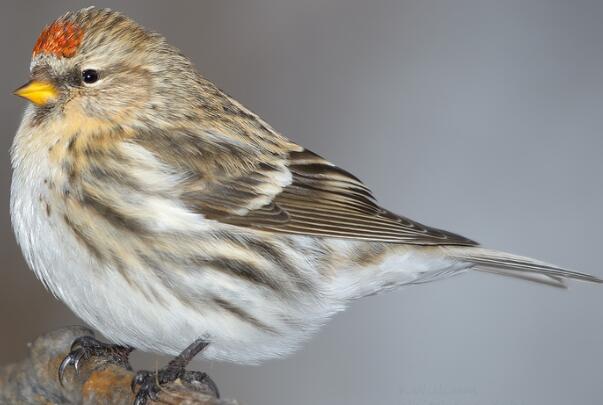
(483, 117)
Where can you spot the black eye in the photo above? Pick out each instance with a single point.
(89, 76)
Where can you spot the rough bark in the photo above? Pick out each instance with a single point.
(35, 379)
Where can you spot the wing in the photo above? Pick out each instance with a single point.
(324, 200)
(238, 171)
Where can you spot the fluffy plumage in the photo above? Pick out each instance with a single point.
(160, 210)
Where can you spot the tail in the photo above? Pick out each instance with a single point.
(507, 264)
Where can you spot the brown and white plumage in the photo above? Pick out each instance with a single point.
(161, 210)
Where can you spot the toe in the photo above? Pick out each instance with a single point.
(148, 387)
(141, 399)
(139, 379)
(81, 341)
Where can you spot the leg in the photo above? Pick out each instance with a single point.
(85, 347)
(150, 382)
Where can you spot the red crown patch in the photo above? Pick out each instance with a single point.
(61, 39)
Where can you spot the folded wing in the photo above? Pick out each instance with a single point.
(268, 183)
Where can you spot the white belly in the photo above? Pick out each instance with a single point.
(122, 310)
(98, 296)
(105, 300)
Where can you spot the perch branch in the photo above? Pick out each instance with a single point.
(34, 380)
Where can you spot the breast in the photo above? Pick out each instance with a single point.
(38, 214)
(133, 262)
(36, 219)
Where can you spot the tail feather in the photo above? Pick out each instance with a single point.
(533, 277)
(507, 264)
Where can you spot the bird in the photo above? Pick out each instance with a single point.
(174, 220)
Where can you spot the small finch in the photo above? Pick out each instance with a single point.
(174, 220)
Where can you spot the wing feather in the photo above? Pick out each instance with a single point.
(238, 182)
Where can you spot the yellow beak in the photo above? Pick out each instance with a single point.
(38, 92)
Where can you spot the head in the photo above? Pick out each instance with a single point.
(98, 67)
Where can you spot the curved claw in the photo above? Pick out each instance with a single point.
(79, 355)
(85, 347)
(74, 359)
(203, 378)
(212, 385)
(138, 379)
(64, 364)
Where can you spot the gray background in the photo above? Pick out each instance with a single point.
(482, 117)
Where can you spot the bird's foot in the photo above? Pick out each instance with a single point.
(86, 347)
(151, 383)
